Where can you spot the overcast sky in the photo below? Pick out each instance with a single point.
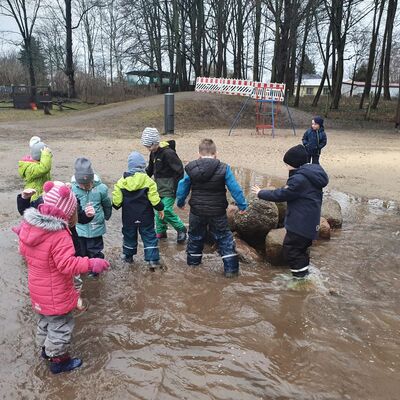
(7, 26)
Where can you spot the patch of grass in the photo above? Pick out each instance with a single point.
(14, 115)
(349, 110)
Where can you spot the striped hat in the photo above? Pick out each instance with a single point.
(60, 197)
(150, 136)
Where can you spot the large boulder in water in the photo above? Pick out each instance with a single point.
(231, 211)
(332, 212)
(260, 217)
(274, 247)
(282, 207)
(324, 229)
(246, 253)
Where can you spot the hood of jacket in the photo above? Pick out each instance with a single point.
(315, 174)
(202, 169)
(24, 164)
(168, 143)
(132, 182)
(37, 226)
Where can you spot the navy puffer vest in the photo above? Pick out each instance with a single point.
(207, 176)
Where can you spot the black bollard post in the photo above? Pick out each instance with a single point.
(169, 113)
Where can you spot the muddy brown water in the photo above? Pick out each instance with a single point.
(192, 334)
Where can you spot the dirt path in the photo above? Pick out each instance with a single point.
(364, 163)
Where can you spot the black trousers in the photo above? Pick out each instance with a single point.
(296, 253)
(91, 247)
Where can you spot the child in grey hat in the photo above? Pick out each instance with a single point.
(167, 169)
(90, 191)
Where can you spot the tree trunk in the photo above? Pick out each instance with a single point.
(303, 57)
(31, 69)
(372, 51)
(380, 70)
(257, 32)
(326, 63)
(69, 62)
(391, 13)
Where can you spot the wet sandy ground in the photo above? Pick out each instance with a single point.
(191, 334)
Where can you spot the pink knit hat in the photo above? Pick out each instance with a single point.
(59, 197)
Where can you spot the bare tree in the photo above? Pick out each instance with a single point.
(378, 12)
(25, 14)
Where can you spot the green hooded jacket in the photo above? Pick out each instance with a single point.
(36, 173)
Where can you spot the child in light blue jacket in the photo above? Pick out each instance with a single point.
(91, 192)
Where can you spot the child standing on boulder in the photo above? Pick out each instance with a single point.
(167, 169)
(35, 168)
(208, 178)
(90, 191)
(303, 194)
(46, 244)
(137, 194)
(314, 139)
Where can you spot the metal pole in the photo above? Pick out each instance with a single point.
(290, 117)
(169, 113)
(236, 120)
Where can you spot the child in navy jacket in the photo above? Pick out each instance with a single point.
(303, 194)
(314, 139)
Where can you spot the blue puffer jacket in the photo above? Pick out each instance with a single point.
(303, 194)
(101, 203)
(314, 141)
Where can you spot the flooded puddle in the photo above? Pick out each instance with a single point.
(192, 334)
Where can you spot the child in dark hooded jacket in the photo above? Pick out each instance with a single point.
(136, 193)
(314, 139)
(303, 194)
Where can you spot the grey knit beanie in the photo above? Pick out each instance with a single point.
(83, 170)
(150, 136)
(36, 150)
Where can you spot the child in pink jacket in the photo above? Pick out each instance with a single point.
(46, 244)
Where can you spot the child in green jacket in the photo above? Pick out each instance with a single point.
(167, 169)
(35, 168)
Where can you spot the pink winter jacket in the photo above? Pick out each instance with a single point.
(47, 246)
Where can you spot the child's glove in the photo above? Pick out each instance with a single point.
(98, 265)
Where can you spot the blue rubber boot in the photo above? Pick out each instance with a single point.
(231, 265)
(64, 364)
